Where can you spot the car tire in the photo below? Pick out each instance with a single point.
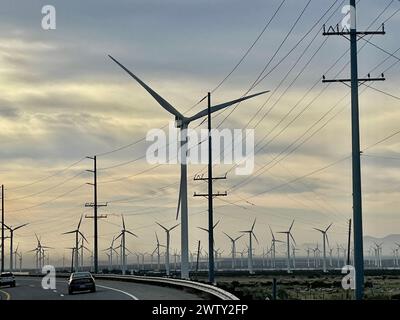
(13, 285)
(93, 289)
(70, 291)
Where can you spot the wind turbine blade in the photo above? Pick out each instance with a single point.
(255, 236)
(112, 242)
(216, 224)
(239, 237)
(69, 232)
(131, 233)
(123, 221)
(272, 234)
(158, 242)
(22, 225)
(118, 236)
(179, 199)
(328, 227)
(83, 237)
(162, 226)
(291, 226)
(254, 223)
(228, 236)
(223, 105)
(174, 227)
(9, 228)
(80, 221)
(161, 101)
(327, 240)
(292, 238)
(204, 229)
(319, 230)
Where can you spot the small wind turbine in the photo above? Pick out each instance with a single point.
(182, 123)
(308, 257)
(158, 252)
(11, 229)
(338, 255)
(167, 231)
(83, 247)
(73, 249)
(251, 235)
(324, 240)
(111, 249)
(233, 241)
(77, 233)
(123, 244)
(379, 254)
(273, 248)
(288, 236)
(294, 249)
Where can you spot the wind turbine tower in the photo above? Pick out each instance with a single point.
(182, 123)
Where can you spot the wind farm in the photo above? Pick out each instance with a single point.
(292, 130)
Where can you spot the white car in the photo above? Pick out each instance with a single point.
(7, 279)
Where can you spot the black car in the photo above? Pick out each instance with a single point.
(7, 279)
(81, 281)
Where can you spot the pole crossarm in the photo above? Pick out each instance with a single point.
(101, 216)
(91, 204)
(335, 31)
(202, 178)
(218, 194)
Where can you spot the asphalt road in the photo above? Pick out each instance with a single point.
(30, 288)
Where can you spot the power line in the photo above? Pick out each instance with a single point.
(47, 177)
(381, 91)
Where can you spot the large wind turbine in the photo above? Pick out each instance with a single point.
(273, 248)
(123, 245)
(11, 229)
(251, 234)
(77, 233)
(167, 231)
(233, 240)
(324, 240)
(288, 236)
(182, 123)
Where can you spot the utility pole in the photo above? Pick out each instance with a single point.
(210, 195)
(2, 228)
(95, 205)
(353, 35)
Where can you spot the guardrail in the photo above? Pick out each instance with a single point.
(203, 287)
(197, 286)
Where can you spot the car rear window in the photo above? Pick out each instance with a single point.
(81, 275)
(6, 274)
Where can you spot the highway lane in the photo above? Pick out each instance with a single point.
(30, 288)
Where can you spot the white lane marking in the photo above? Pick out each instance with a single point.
(124, 292)
(61, 295)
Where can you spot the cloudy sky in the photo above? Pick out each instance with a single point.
(63, 99)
